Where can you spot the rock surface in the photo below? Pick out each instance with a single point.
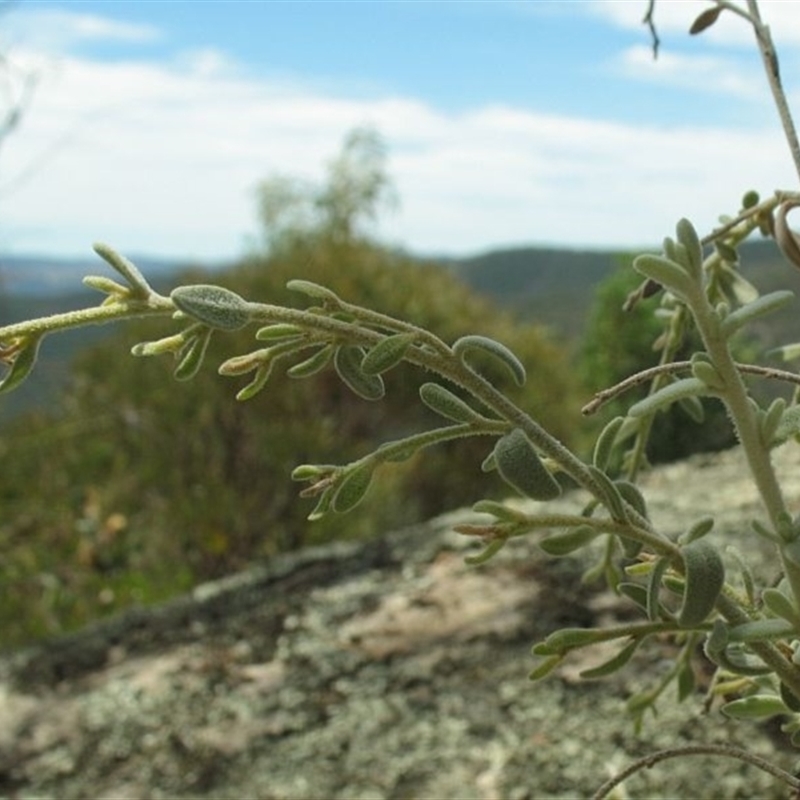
(380, 670)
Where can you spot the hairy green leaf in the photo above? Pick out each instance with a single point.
(697, 530)
(491, 549)
(687, 236)
(686, 387)
(214, 306)
(22, 365)
(352, 489)
(496, 349)
(666, 272)
(605, 443)
(313, 290)
(520, 467)
(190, 357)
(755, 309)
(387, 353)
(446, 404)
(257, 384)
(544, 668)
(613, 664)
(705, 577)
(313, 364)
(561, 544)
(347, 361)
(281, 330)
(780, 605)
(756, 706)
(126, 268)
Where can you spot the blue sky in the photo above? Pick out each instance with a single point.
(507, 123)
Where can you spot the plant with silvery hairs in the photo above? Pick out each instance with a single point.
(750, 632)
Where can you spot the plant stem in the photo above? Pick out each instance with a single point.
(770, 61)
(726, 750)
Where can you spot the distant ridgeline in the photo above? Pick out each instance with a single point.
(552, 286)
(556, 287)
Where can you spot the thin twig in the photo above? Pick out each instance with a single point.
(726, 750)
(603, 396)
(770, 60)
(648, 20)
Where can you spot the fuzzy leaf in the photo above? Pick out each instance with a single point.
(23, 364)
(499, 351)
(446, 404)
(705, 577)
(257, 384)
(755, 309)
(312, 364)
(352, 489)
(688, 237)
(126, 268)
(686, 387)
(281, 330)
(605, 443)
(568, 639)
(387, 353)
(666, 272)
(613, 664)
(347, 361)
(544, 668)
(214, 306)
(780, 605)
(313, 290)
(788, 241)
(756, 706)
(491, 549)
(705, 19)
(520, 466)
(697, 530)
(190, 358)
(561, 544)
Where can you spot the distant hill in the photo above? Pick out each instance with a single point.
(553, 286)
(46, 275)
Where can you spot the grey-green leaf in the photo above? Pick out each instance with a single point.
(669, 274)
(23, 364)
(561, 544)
(705, 577)
(445, 403)
(347, 361)
(605, 443)
(687, 236)
(686, 387)
(756, 309)
(313, 364)
(520, 466)
(613, 664)
(387, 353)
(214, 306)
(494, 348)
(756, 706)
(352, 489)
(313, 290)
(191, 356)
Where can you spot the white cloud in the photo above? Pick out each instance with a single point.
(163, 158)
(707, 73)
(54, 30)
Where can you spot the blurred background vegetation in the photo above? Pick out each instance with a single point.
(134, 487)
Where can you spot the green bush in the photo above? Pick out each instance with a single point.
(196, 485)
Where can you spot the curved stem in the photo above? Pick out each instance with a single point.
(725, 750)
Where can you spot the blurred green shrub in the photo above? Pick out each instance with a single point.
(619, 343)
(143, 486)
